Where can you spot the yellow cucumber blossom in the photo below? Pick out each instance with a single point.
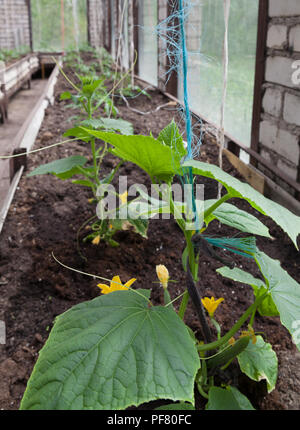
(115, 285)
(211, 304)
(250, 333)
(96, 240)
(163, 275)
(231, 341)
(123, 197)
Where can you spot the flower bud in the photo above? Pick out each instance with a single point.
(163, 275)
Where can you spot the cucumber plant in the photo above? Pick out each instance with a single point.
(119, 350)
(90, 95)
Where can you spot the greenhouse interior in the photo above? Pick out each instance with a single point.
(149, 207)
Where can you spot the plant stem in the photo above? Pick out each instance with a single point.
(183, 304)
(213, 207)
(202, 392)
(234, 329)
(94, 160)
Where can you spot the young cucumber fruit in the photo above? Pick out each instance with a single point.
(228, 353)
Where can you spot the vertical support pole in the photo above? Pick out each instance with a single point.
(28, 2)
(88, 21)
(62, 17)
(262, 29)
(16, 162)
(136, 32)
(108, 45)
(172, 84)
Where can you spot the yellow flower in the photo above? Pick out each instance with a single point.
(96, 240)
(250, 333)
(231, 341)
(115, 285)
(163, 275)
(211, 304)
(123, 197)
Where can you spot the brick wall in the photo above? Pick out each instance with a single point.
(14, 24)
(279, 136)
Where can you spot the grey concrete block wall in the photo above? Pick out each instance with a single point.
(14, 24)
(279, 136)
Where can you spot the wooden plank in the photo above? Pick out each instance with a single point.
(10, 195)
(254, 178)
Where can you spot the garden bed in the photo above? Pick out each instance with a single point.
(45, 216)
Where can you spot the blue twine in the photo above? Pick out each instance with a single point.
(185, 84)
(188, 120)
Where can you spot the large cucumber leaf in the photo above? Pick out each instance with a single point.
(267, 307)
(109, 124)
(180, 406)
(284, 290)
(113, 352)
(155, 158)
(229, 398)
(288, 221)
(258, 361)
(63, 168)
(170, 136)
(230, 215)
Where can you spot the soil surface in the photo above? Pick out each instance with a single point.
(44, 218)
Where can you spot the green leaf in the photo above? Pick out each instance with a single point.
(64, 168)
(229, 398)
(84, 183)
(109, 124)
(258, 361)
(229, 214)
(140, 226)
(146, 152)
(267, 307)
(113, 352)
(78, 133)
(184, 258)
(170, 136)
(285, 292)
(288, 221)
(66, 95)
(89, 88)
(180, 406)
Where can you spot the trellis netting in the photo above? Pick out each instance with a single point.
(59, 25)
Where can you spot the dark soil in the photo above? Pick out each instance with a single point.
(45, 216)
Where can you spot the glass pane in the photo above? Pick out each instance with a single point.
(205, 36)
(147, 57)
(46, 24)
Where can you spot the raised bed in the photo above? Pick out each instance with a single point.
(45, 217)
(14, 76)
(22, 142)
